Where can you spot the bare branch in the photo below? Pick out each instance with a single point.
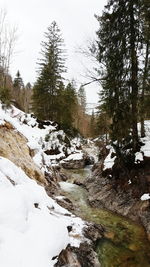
(93, 81)
(8, 37)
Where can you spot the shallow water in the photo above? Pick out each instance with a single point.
(125, 243)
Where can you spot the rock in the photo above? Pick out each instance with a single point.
(94, 232)
(52, 151)
(120, 196)
(84, 256)
(66, 203)
(13, 146)
(77, 163)
(67, 258)
(78, 182)
(73, 164)
(89, 160)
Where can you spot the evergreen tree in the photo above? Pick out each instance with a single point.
(18, 81)
(82, 98)
(60, 102)
(70, 106)
(118, 48)
(18, 93)
(51, 68)
(92, 124)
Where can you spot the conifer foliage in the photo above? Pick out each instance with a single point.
(49, 81)
(119, 46)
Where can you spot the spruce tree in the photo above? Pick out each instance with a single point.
(51, 68)
(18, 81)
(92, 124)
(70, 106)
(118, 48)
(18, 93)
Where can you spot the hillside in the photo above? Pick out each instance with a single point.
(33, 227)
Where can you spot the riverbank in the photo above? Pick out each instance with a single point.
(119, 241)
(124, 199)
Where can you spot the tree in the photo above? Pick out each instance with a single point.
(82, 98)
(18, 81)
(93, 124)
(18, 92)
(69, 106)
(7, 43)
(145, 82)
(51, 68)
(119, 41)
(27, 97)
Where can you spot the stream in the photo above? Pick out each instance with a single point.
(125, 242)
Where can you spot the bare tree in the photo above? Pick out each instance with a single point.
(8, 37)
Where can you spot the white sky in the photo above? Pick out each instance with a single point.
(76, 21)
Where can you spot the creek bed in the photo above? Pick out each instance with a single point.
(125, 243)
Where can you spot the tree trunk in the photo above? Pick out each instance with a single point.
(142, 115)
(134, 80)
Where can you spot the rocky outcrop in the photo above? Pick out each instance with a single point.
(73, 164)
(66, 203)
(121, 195)
(77, 162)
(13, 146)
(85, 255)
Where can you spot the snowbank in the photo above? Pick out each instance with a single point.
(48, 143)
(33, 227)
(145, 197)
(109, 160)
(76, 156)
(139, 156)
(145, 149)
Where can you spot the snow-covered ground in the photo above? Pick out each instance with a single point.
(42, 141)
(33, 227)
(109, 160)
(145, 149)
(139, 156)
(145, 197)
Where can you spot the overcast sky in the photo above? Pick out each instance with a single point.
(76, 21)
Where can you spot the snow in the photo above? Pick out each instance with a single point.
(60, 197)
(33, 227)
(138, 157)
(145, 197)
(91, 149)
(2, 122)
(41, 140)
(109, 160)
(145, 149)
(76, 156)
